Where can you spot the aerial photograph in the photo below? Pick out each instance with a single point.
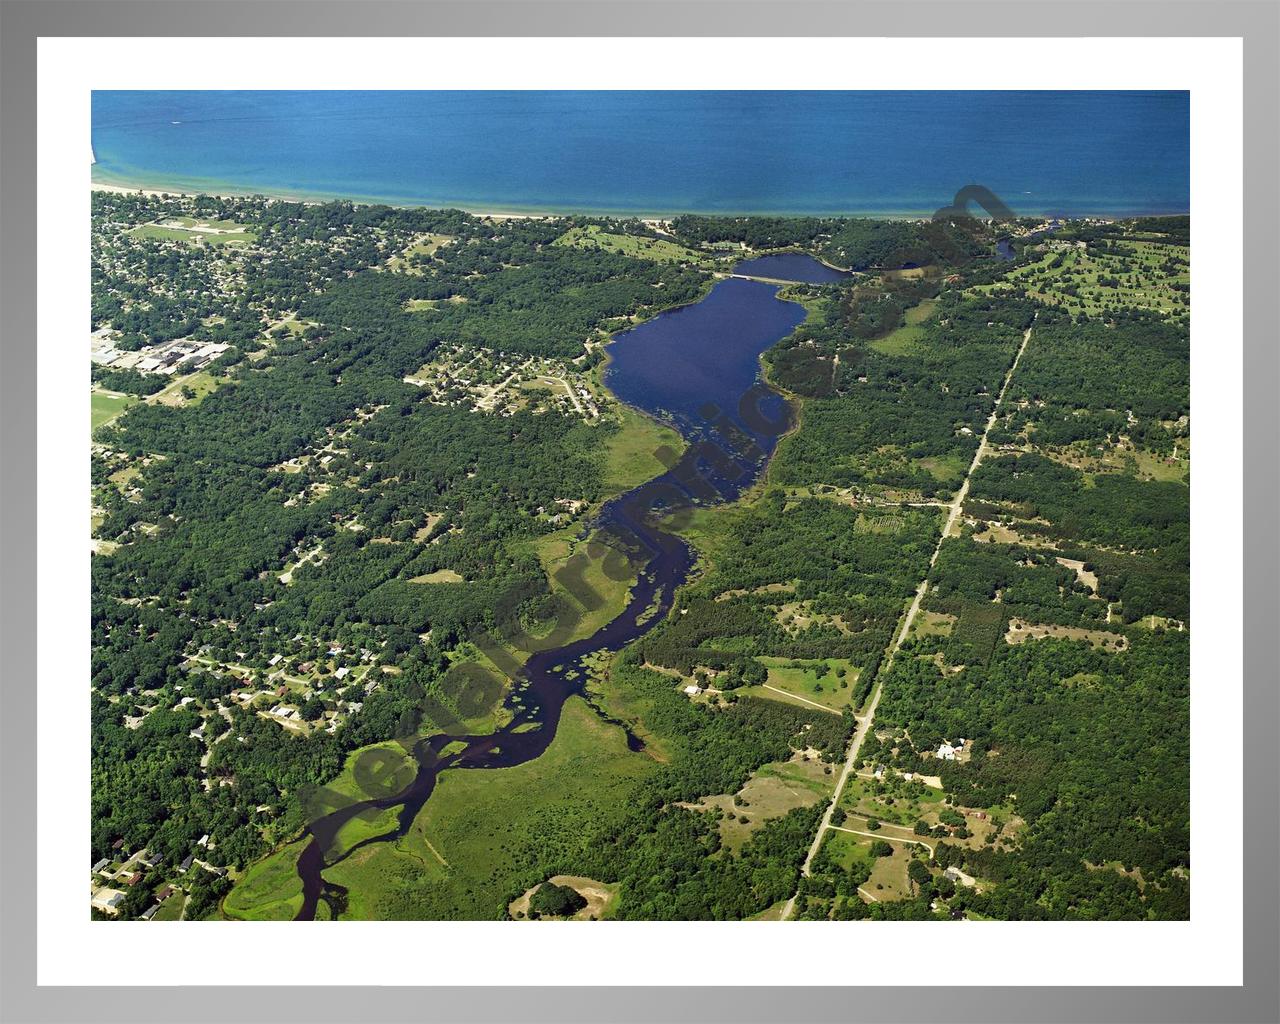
(647, 505)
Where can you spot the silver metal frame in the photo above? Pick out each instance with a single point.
(1257, 22)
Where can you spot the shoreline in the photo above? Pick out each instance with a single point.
(495, 212)
(158, 191)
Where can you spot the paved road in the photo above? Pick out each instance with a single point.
(864, 723)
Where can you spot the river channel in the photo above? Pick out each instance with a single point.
(697, 368)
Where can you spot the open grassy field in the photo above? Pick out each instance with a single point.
(396, 769)
(944, 467)
(426, 245)
(900, 342)
(362, 827)
(171, 909)
(583, 565)
(123, 477)
(707, 529)
(200, 384)
(477, 843)
(377, 875)
(210, 223)
(439, 576)
(1020, 631)
(233, 235)
(660, 250)
(888, 874)
(904, 340)
(773, 790)
(1123, 457)
(848, 850)
(104, 406)
(892, 800)
(422, 305)
(497, 714)
(269, 890)
(799, 677)
(629, 455)
(929, 623)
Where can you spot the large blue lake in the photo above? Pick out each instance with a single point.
(685, 360)
(660, 152)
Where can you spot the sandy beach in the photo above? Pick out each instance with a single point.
(102, 186)
(649, 218)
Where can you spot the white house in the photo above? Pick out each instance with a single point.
(692, 690)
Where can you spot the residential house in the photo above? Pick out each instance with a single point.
(107, 900)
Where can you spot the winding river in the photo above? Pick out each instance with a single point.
(697, 368)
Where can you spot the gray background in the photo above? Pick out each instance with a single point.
(1258, 22)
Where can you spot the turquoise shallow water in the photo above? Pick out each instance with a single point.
(1069, 153)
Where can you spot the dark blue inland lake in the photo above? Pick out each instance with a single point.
(698, 368)
(709, 352)
(791, 266)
